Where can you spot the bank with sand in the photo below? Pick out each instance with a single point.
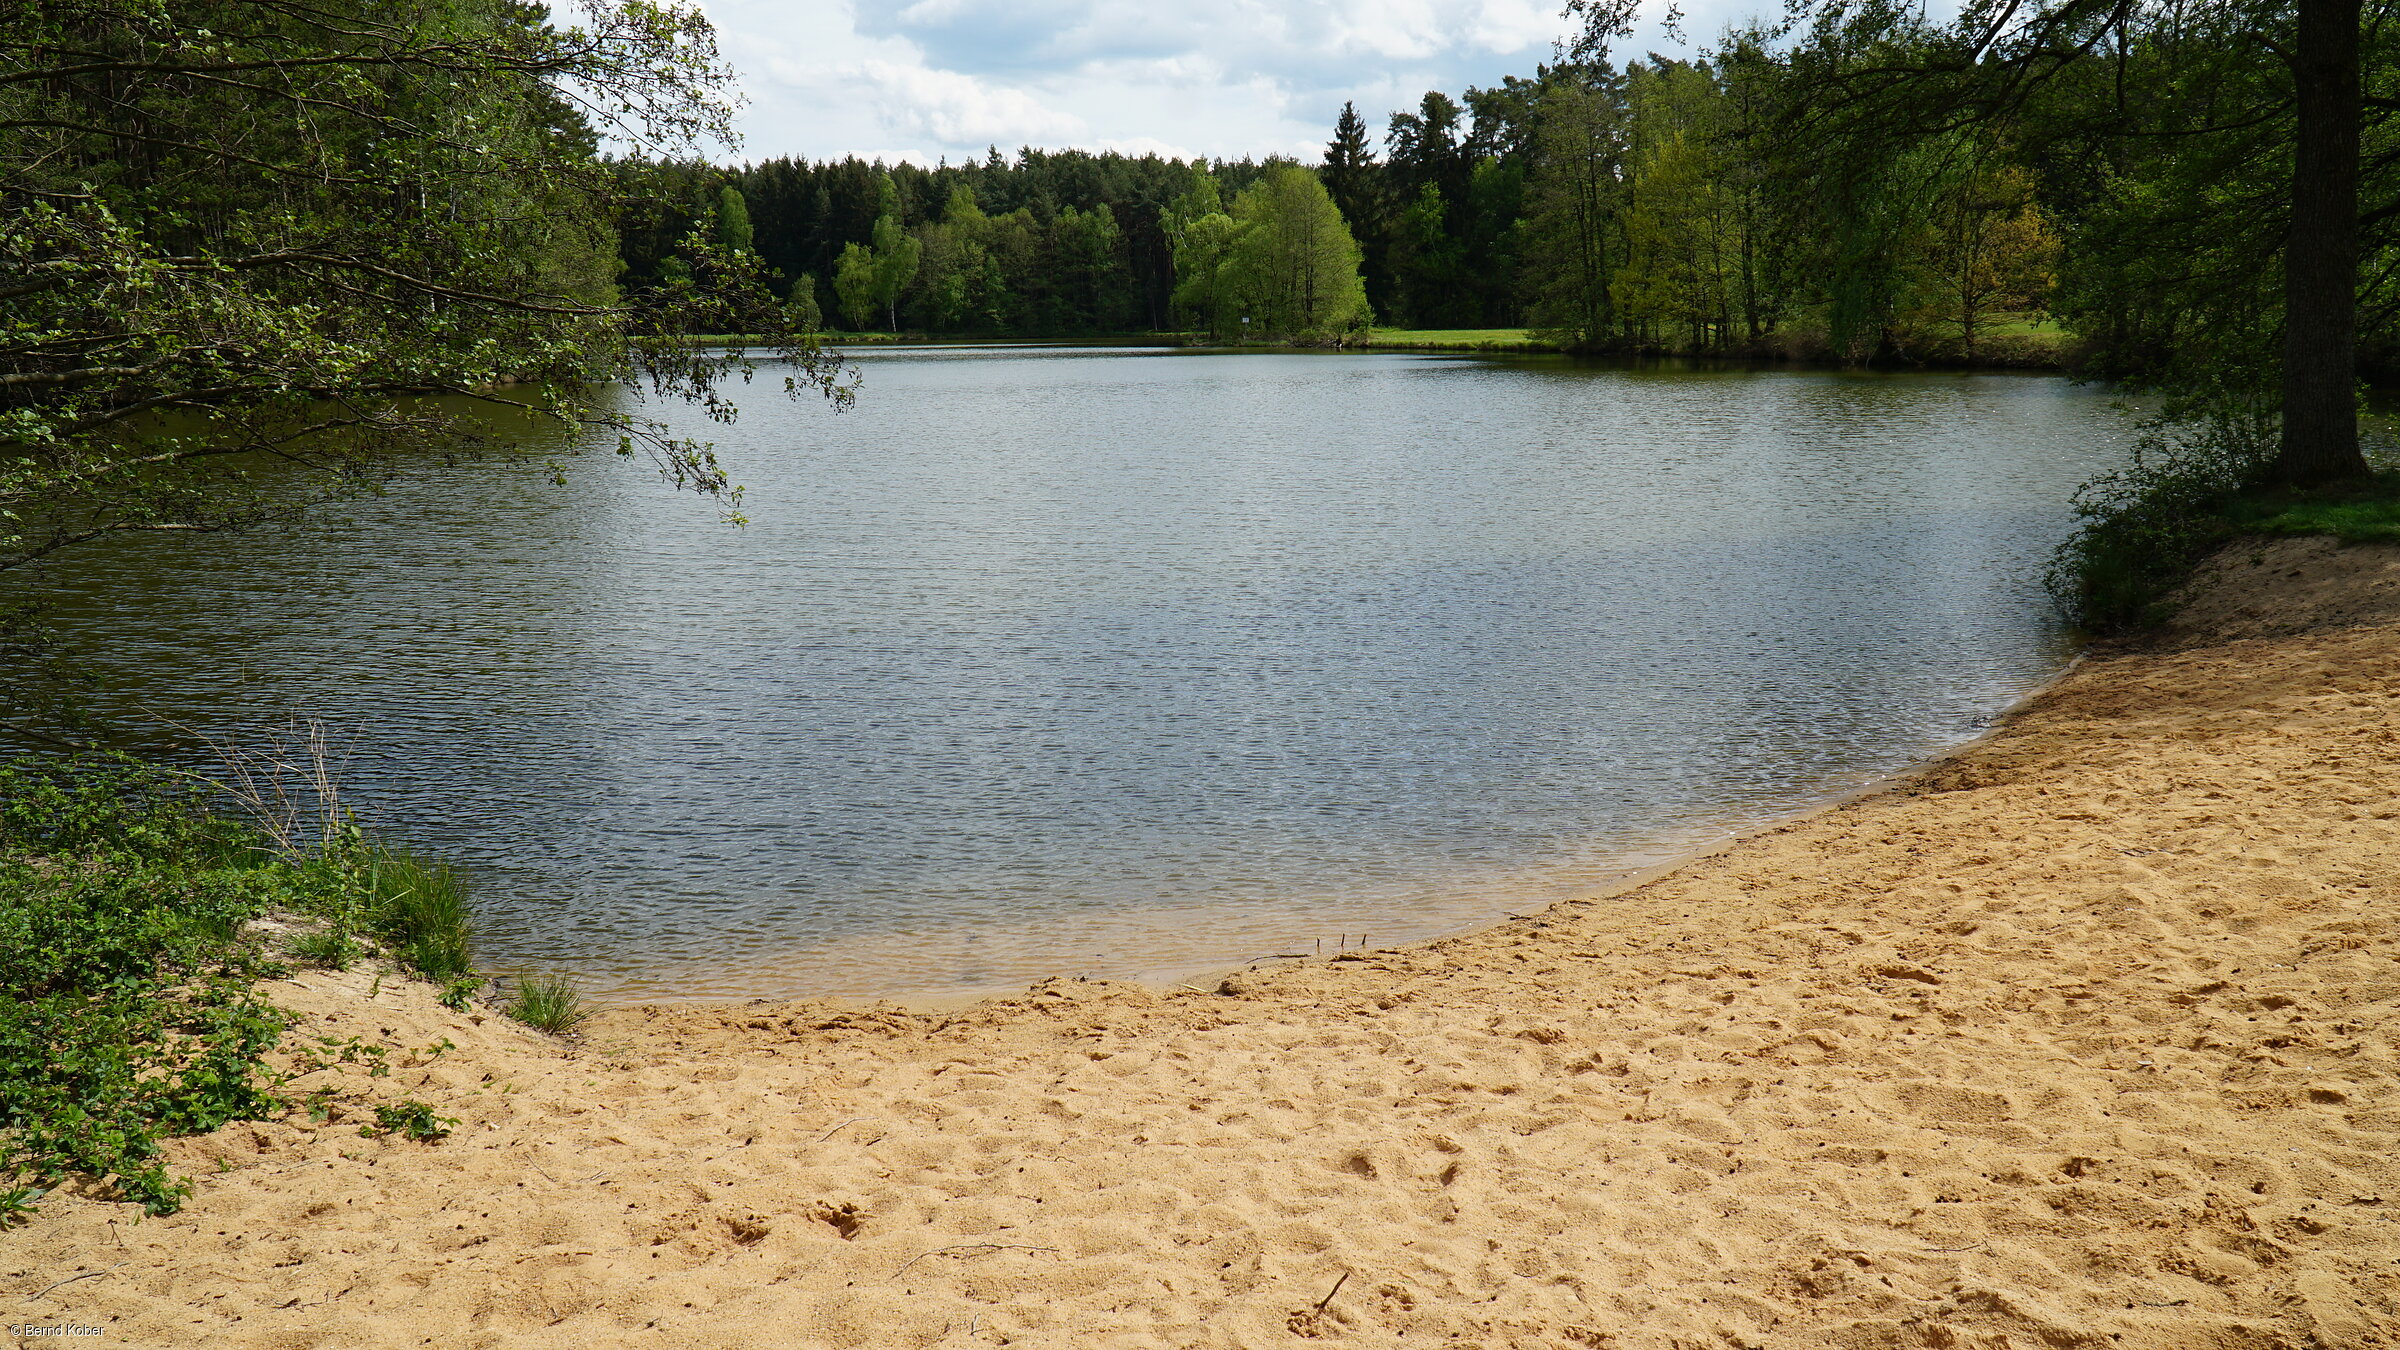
(2083, 1037)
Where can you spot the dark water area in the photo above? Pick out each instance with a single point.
(1117, 662)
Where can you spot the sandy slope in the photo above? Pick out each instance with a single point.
(2085, 1038)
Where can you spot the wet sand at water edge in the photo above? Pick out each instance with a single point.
(2084, 1037)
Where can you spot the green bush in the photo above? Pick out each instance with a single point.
(128, 1006)
(2139, 530)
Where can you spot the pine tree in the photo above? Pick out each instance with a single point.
(1354, 179)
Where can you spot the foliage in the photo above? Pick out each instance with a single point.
(128, 1006)
(1281, 264)
(2140, 529)
(237, 234)
(410, 1119)
(854, 282)
(806, 316)
(548, 1003)
(1576, 197)
(734, 234)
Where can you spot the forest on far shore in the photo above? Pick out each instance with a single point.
(1633, 209)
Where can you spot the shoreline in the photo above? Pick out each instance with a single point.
(1206, 975)
(2014, 354)
(2085, 1035)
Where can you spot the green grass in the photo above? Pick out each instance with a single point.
(1457, 339)
(420, 909)
(2366, 513)
(548, 1003)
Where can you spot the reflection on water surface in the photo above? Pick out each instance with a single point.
(1115, 662)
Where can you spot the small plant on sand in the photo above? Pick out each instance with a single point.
(548, 1003)
(410, 1119)
(16, 1206)
(331, 947)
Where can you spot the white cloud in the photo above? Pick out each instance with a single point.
(827, 78)
(948, 108)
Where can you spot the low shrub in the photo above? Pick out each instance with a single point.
(2191, 486)
(129, 1010)
(2140, 530)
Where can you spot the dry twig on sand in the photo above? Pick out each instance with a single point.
(970, 1247)
(87, 1275)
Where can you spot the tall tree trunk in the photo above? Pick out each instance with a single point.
(2320, 255)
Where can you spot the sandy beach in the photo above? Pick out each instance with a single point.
(2084, 1037)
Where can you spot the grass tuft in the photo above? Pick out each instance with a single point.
(420, 908)
(548, 1003)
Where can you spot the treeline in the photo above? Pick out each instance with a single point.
(1048, 243)
(1638, 210)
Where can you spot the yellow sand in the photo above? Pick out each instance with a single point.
(2084, 1038)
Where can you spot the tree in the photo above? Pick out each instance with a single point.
(233, 229)
(1575, 196)
(1431, 177)
(807, 315)
(1207, 287)
(893, 267)
(733, 220)
(1203, 236)
(1991, 247)
(1428, 261)
(2268, 88)
(1085, 273)
(1292, 264)
(854, 285)
(1354, 179)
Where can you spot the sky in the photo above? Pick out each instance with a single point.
(928, 79)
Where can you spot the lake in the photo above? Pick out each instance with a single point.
(1129, 662)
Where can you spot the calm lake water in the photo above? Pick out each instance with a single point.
(1123, 662)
